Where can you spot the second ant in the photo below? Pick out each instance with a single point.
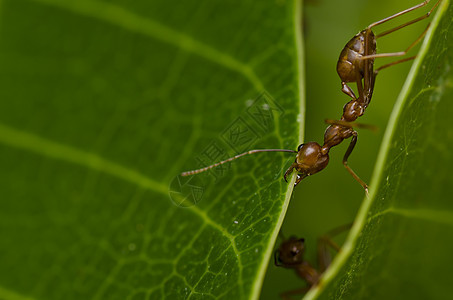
(290, 255)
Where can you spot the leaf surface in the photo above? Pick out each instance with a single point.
(103, 104)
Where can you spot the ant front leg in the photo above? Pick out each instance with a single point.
(289, 171)
(345, 162)
(299, 178)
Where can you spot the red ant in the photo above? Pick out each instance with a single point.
(356, 64)
(290, 255)
(356, 60)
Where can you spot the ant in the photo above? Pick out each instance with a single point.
(356, 64)
(356, 60)
(290, 255)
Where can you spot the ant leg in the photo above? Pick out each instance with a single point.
(394, 63)
(404, 12)
(289, 171)
(286, 295)
(345, 162)
(410, 22)
(401, 53)
(350, 124)
(326, 240)
(299, 178)
(324, 258)
(369, 76)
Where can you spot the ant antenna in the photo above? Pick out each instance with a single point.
(188, 173)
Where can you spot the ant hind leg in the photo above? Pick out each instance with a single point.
(345, 162)
(402, 13)
(401, 53)
(394, 63)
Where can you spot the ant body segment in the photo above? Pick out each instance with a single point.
(355, 64)
(356, 61)
(290, 255)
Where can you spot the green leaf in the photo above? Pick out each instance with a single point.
(401, 243)
(103, 104)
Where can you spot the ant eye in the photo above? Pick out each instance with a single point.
(300, 146)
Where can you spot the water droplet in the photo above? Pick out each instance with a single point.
(236, 222)
(299, 118)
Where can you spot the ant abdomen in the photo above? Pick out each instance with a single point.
(350, 62)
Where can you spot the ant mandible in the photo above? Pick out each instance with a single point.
(356, 64)
(290, 254)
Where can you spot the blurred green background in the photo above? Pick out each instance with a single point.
(332, 197)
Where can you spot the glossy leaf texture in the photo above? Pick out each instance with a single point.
(103, 104)
(401, 243)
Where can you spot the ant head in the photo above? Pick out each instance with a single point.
(310, 158)
(290, 253)
(308, 151)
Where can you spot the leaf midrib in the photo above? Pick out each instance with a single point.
(123, 18)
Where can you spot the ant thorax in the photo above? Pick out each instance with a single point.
(352, 110)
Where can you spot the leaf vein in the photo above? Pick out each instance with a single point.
(31, 142)
(116, 15)
(430, 215)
